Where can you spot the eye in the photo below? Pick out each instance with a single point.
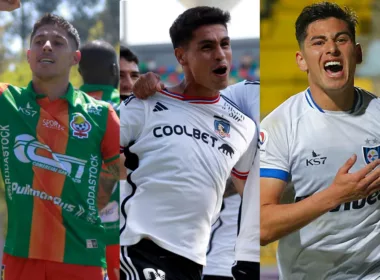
(225, 44)
(318, 43)
(206, 47)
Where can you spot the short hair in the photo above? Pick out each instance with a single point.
(128, 55)
(324, 10)
(51, 19)
(181, 31)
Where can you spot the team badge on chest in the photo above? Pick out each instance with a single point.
(222, 127)
(371, 153)
(80, 126)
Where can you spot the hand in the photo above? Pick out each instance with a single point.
(117, 273)
(147, 85)
(9, 5)
(358, 185)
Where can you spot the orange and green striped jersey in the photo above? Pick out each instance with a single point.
(103, 92)
(110, 215)
(51, 156)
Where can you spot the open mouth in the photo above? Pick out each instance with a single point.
(221, 70)
(333, 67)
(47, 60)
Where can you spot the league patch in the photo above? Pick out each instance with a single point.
(222, 127)
(81, 127)
(263, 139)
(371, 153)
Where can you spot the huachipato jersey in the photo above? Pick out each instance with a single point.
(246, 95)
(306, 145)
(51, 156)
(110, 214)
(185, 148)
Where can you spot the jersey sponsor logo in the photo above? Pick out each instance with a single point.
(152, 274)
(233, 111)
(226, 149)
(263, 139)
(4, 135)
(316, 159)
(160, 107)
(28, 190)
(222, 127)
(371, 153)
(91, 243)
(92, 184)
(53, 124)
(28, 110)
(352, 205)
(94, 109)
(81, 127)
(110, 213)
(27, 149)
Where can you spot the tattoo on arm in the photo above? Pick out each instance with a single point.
(107, 183)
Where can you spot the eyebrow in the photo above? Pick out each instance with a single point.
(207, 41)
(44, 35)
(336, 35)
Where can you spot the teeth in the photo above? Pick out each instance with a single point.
(46, 60)
(332, 63)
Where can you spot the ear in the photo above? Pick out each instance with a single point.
(77, 57)
(358, 53)
(301, 62)
(180, 54)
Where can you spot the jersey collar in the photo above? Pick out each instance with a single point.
(69, 96)
(192, 99)
(357, 102)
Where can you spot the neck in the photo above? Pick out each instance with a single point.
(53, 88)
(191, 88)
(334, 100)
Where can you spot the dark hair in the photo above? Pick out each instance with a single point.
(324, 10)
(128, 55)
(181, 31)
(59, 22)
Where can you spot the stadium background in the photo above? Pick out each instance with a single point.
(94, 19)
(279, 73)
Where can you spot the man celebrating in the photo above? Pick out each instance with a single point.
(53, 146)
(129, 71)
(324, 140)
(182, 156)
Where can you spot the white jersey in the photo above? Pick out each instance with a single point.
(246, 95)
(220, 252)
(186, 150)
(306, 145)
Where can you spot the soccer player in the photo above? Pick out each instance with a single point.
(52, 148)
(129, 71)
(246, 95)
(99, 69)
(326, 142)
(187, 140)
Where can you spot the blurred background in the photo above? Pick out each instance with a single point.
(279, 73)
(94, 19)
(146, 33)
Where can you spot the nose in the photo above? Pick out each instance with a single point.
(332, 48)
(47, 46)
(219, 53)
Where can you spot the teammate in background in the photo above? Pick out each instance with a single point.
(326, 141)
(246, 95)
(59, 143)
(99, 69)
(100, 72)
(129, 71)
(185, 118)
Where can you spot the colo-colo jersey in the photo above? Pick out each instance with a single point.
(51, 156)
(186, 149)
(110, 214)
(246, 95)
(307, 145)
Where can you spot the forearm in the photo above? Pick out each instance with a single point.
(107, 183)
(279, 220)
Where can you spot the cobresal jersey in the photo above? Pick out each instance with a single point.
(51, 155)
(106, 93)
(246, 95)
(307, 145)
(186, 149)
(109, 216)
(220, 252)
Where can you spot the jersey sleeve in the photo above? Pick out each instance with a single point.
(109, 145)
(243, 166)
(274, 148)
(132, 118)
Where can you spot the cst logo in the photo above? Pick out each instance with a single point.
(316, 160)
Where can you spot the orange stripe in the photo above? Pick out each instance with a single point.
(3, 87)
(96, 94)
(47, 240)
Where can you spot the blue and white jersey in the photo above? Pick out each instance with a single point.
(185, 150)
(246, 95)
(306, 145)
